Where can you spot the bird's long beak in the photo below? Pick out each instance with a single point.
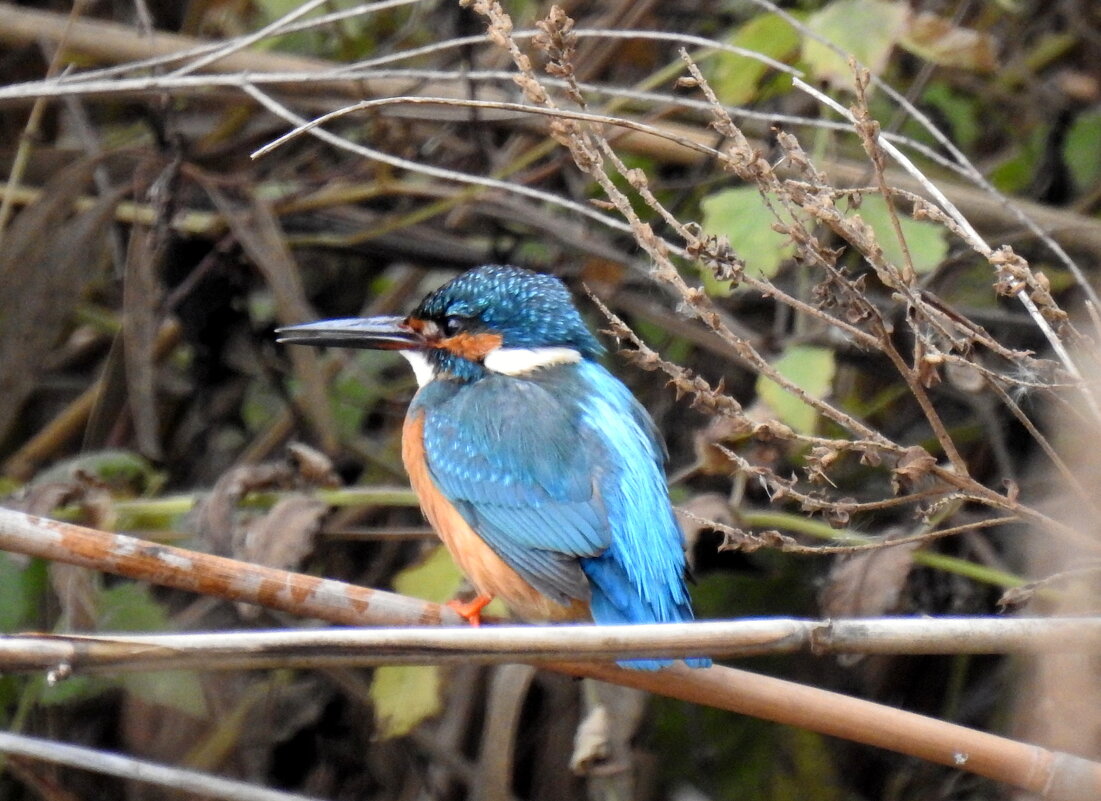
(375, 333)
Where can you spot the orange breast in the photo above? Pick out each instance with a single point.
(489, 574)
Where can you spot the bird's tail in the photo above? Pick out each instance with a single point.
(616, 600)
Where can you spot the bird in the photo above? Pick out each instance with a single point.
(539, 470)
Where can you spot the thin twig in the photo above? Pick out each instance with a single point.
(141, 770)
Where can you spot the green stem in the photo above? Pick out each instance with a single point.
(845, 536)
(161, 512)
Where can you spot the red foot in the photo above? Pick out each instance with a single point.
(472, 611)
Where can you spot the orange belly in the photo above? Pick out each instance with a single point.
(489, 574)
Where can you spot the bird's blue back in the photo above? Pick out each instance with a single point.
(561, 472)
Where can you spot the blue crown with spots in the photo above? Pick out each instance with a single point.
(528, 310)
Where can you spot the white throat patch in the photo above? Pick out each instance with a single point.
(422, 368)
(518, 361)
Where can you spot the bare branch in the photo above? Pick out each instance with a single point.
(326, 648)
(140, 770)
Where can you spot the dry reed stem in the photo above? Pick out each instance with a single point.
(497, 644)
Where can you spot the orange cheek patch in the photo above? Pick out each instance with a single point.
(474, 347)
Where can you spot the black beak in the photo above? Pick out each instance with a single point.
(375, 333)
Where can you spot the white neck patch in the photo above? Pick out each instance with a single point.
(422, 368)
(507, 361)
(518, 361)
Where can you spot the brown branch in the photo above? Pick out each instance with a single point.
(295, 593)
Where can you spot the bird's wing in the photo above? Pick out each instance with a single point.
(514, 460)
(640, 577)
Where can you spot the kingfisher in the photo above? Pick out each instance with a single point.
(538, 469)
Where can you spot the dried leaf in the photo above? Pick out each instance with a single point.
(284, 536)
(868, 583)
(140, 298)
(942, 42)
(1016, 598)
(720, 430)
(590, 743)
(602, 742)
(215, 515)
(928, 370)
(314, 468)
(913, 466)
(819, 461)
(48, 261)
(77, 591)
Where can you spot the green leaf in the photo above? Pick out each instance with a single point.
(1081, 151)
(21, 592)
(960, 109)
(433, 578)
(403, 696)
(926, 240)
(742, 217)
(131, 607)
(809, 368)
(868, 29)
(736, 79)
(809, 769)
(175, 689)
(74, 689)
(119, 469)
(260, 405)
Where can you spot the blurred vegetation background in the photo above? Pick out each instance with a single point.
(146, 258)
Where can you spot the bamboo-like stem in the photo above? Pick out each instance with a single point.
(360, 647)
(1052, 775)
(1056, 776)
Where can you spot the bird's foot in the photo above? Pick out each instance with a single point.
(471, 611)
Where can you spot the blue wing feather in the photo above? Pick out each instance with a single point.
(561, 473)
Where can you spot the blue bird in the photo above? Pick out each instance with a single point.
(538, 469)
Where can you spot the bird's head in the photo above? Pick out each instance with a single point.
(490, 319)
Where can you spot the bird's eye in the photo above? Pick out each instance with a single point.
(453, 325)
